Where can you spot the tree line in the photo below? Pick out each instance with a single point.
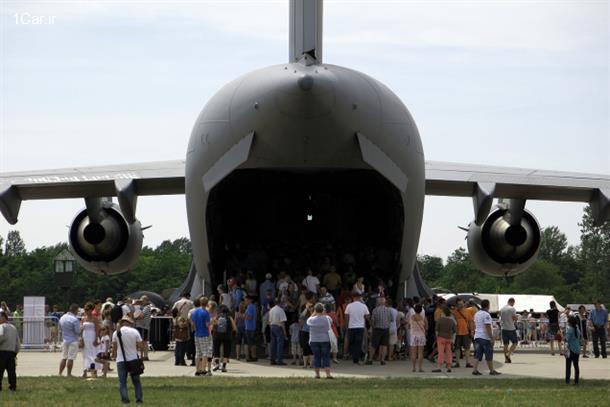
(573, 274)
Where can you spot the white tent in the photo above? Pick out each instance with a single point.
(539, 303)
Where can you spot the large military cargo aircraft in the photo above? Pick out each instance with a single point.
(305, 151)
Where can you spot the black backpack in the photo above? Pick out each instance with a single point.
(116, 313)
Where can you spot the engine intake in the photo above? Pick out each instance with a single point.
(501, 249)
(109, 246)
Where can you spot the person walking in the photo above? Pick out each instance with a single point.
(445, 329)
(319, 324)
(69, 326)
(508, 317)
(126, 342)
(599, 319)
(356, 315)
(277, 322)
(572, 349)
(9, 348)
(224, 326)
(483, 339)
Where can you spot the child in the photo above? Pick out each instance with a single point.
(295, 348)
(103, 351)
(182, 335)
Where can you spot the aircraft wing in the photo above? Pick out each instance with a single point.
(153, 178)
(483, 183)
(442, 178)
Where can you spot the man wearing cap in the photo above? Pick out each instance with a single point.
(70, 330)
(9, 347)
(124, 351)
(266, 286)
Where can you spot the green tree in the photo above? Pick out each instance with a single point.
(554, 244)
(14, 244)
(1, 241)
(431, 268)
(594, 257)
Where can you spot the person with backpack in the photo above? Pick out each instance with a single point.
(223, 327)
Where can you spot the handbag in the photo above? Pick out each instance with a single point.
(134, 367)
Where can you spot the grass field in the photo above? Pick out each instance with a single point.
(223, 391)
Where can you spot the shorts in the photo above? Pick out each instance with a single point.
(552, 331)
(380, 337)
(250, 338)
(393, 338)
(240, 337)
(483, 347)
(204, 347)
(143, 333)
(304, 341)
(70, 350)
(223, 340)
(415, 340)
(509, 336)
(462, 341)
(295, 348)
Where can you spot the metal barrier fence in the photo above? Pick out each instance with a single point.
(44, 332)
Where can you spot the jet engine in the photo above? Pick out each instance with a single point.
(506, 243)
(103, 241)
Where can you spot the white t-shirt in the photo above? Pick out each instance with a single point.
(506, 318)
(277, 316)
(356, 311)
(311, 282)
(481, 319)
(130, 338)
(394, 313)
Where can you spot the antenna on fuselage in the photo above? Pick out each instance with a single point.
(305, 27)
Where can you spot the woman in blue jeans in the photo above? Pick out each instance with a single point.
(319, 324)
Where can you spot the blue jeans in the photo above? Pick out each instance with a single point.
(321, 354)
(355, 336)
(483, 347)
(277, 344)
(122, 372)
(180, 351)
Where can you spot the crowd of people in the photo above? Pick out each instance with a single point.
(313, 323)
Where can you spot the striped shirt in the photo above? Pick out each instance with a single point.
(381, 317)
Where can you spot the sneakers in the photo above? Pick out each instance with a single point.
(448, 370)
(369, 362)
(437, 371)
(476, 373)
(507, 359)
(383, 362)
(468, 365)
(494, 373)
(224, 370)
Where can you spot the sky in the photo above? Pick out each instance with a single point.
(510, 83)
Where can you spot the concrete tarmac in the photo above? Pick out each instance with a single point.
(535, 363)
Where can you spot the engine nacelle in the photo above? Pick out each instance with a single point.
(110, 246)
(498, 248)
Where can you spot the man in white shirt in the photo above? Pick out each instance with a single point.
(131, 343)
(508, 317)
(277, 319)
(484, 340)
(356, 315)
(311, 282)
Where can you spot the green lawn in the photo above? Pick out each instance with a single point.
(223, 391)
